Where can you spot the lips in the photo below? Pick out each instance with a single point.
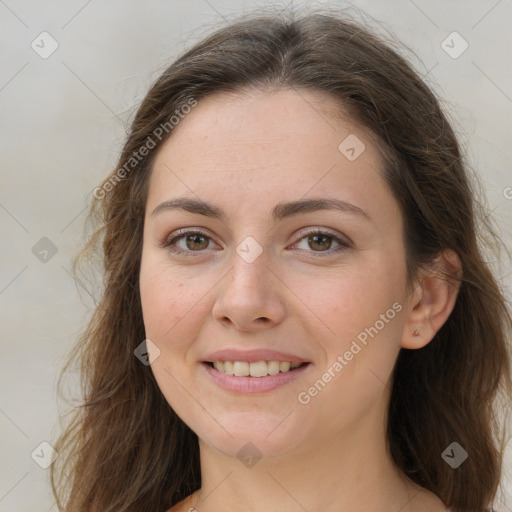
(258, 369)
(253, 371)
(253, 356)
(249, 384)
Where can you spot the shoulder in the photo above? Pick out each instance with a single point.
(183, 506)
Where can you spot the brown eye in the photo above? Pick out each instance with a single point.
(188, 242)
(319, 241)
(196, 242)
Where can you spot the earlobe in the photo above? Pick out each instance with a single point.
(432, 301)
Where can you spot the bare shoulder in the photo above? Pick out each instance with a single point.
(423, 500)
(183, 506)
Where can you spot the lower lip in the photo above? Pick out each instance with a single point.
(253, 384)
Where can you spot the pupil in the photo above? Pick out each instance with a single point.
(321, 237)
(193, 239)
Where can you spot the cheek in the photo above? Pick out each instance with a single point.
(162, 299)
(164, 308)
(348, 301)
(360, 310)
(170, 321)
(160, 304)
(364, 312)
(174, 307)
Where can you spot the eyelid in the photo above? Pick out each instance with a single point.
(182, 233)
(341, 238)
(343, 241)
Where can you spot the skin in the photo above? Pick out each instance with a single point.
(245, 153)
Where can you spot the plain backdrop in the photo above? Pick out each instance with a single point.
(72, 73)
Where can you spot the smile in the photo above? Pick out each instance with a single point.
(254, 369)
(242, 377)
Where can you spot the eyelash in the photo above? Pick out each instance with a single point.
(343, 244)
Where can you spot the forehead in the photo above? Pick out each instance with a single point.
(266, 145)
(258, 118)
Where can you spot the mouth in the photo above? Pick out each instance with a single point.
(257, 369)
(244, 377)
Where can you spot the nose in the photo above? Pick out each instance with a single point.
(251, 296)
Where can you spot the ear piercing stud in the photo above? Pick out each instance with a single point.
(417, 332)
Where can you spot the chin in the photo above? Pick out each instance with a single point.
(253, 435)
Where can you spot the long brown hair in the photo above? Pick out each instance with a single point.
(125, 449)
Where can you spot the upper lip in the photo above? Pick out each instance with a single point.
(252, 356)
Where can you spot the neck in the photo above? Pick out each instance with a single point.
(353, 472)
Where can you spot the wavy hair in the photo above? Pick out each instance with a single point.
(124, 448)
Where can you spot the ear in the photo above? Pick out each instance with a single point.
(432, 300)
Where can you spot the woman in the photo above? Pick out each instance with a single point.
(297, 314)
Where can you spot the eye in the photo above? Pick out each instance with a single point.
(192, 241)
(321, 241)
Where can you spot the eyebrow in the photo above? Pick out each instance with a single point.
(279, 212)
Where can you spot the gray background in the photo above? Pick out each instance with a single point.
(63, 120)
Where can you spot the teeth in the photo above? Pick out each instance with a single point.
(273, 367)
(284, 366)
(241, 368)
(258, 369)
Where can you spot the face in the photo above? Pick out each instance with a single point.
(261, 272)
